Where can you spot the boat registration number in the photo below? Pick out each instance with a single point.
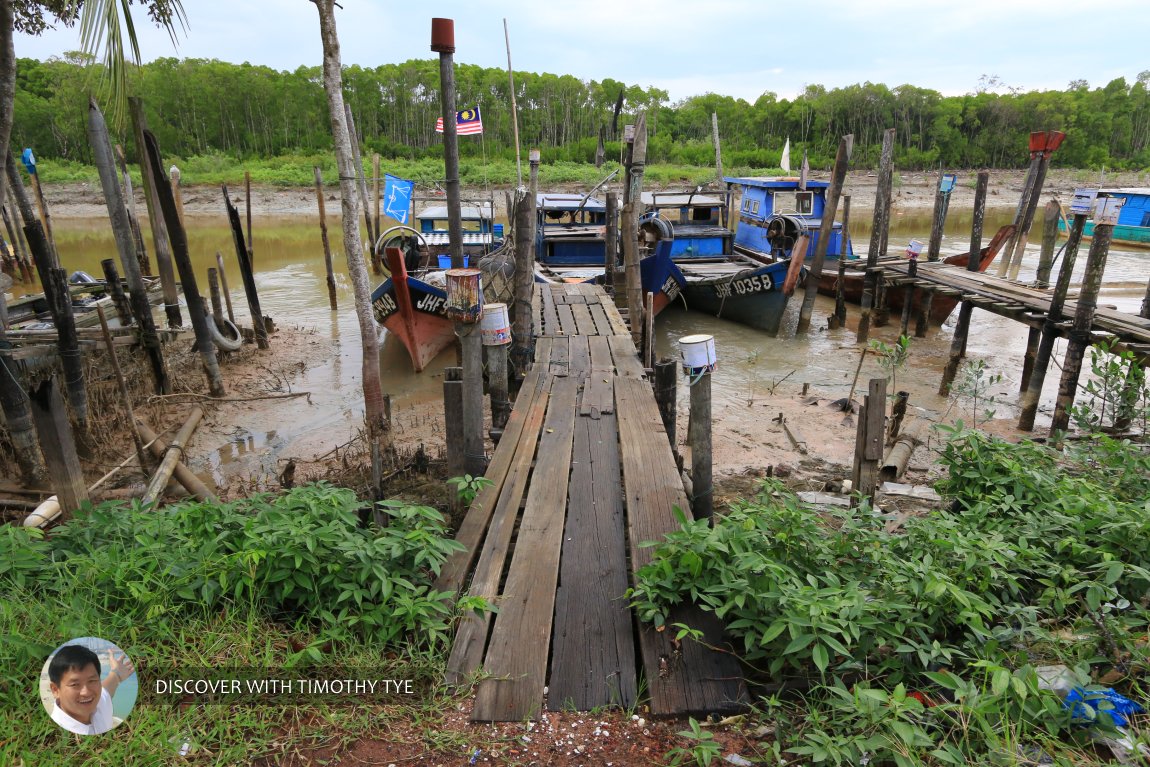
(671, 288)
(384, 307)
(759, 283)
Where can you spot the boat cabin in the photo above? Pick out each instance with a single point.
(480, 233)
(773, 212)
(697, 223)
(1136, 210)
(571, 230)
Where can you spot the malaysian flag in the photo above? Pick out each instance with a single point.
(467, 123)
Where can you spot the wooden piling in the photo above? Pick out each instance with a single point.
(718, 151)
(247, 273)
(497, 386)
(128, 246)
(611, 243)
(840, 315)
(869, 439)
(20, 426)
(45, 215)
(1145, 312)
(175, 450)
(938, 221)
(962, 327)
(1079, 335)
(361, 188)
(666, 393)
(522, 330)
(214, 292)
(58, 445)
(879, 229)
(323, 238)
(16, 237)
(145, 266)
(177, 191)
(1042, 145)
(838, 176)
(1050, 331)
(635, 169)
(922, 322)
(908, 301)
(248, 216)
(116, 291)
(224, 286)
(160, 238)
(474, 458)
(699, 433)
(179, 242)
(453, 419)
(1050, 216)
(649, 331)
(121, 384)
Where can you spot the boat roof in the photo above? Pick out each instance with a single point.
(471, 212)
(679, 199)
(1139, 190)
(775, 182)
(567, 201)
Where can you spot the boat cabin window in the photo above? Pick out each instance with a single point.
(702, 215)
(750, 205)
(802, 203)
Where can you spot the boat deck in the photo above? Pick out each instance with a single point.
(582, 476)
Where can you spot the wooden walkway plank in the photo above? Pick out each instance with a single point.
(550, 316)
(579, 364)
(618, 326)
(601, 360)
(602, 323)
(593, 655)
(474, 525)
(626, 358)
(471, 637)
(560, 359)
(583, 321)
(567, 324)
(517, 655)
(687, 677)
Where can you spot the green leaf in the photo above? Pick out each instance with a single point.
(799, 643)
(820, 657)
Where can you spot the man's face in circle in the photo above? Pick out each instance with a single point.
(79, 693)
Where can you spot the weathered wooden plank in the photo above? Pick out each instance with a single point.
(474, 525)
(471, 637)
(551, 325)
(598, 397)
(593, 654)
(567, 324)
(602, 323)
(542, 361)
(687, 677)
(560, 356)
(517, 658)
(574, 298)
(580, 359)
(618, 326)
(583, 321)
(601, 359)
(625, 357)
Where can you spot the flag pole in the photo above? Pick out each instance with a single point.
(514, 108)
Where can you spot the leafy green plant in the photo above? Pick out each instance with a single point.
(892, 357)
(467, 487)
(973, 385)
(704, 751)
(1118, 391)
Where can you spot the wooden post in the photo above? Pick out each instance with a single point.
(177, 191)
(842, 160)
(247, 273)
(361, 187)
(922, 322)
(116, 291)
(1042, 145)
(840, 295)
(453, 419)
(18, 245)
(869, 439)
(1079, 335)
(718, 152)
(224, 285)
(214, 292)
(127, 246)
(248, 215)
(450, 143)
(522, 332)
(908, 301)
(58, 445)
(649, 331)
(611, 244)
(160, 239)
(666, 391)
(45, 216)
(1145, 313)
(145, 266)
(323, 238)
(878, 233)
(1033, 392)
(962, 328)
(474, 459)
(1050, 216)
(125, 397)
(938, 221)
(207, 348)
(699, 433)
(18, 418)
(174, 453)
(631, 229)
(497, 386)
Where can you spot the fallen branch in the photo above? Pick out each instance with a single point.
(209, 398)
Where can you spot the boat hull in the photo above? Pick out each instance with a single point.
(414, 312)
(1136, 236)
(753, 296)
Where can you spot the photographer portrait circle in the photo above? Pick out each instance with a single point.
(88, 686)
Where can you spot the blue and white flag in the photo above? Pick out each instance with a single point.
(29, 161)
(397, 197)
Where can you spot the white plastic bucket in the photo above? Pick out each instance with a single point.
(495, 326)
(914, 250)
(698, 353)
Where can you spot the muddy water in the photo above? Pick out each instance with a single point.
(290, 278)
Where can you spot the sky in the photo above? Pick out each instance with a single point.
(738, 48)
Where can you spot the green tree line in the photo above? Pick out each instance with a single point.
(201, 107)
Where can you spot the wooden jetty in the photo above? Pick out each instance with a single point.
(1022, 302)
(582, 477)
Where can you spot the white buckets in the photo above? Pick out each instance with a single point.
(914, 249)
(698, 353)
(495, 326)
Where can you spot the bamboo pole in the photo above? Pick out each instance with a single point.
(248, 215)
(839, 174)
(125, 397)
(331, 299)
(375, 181)
(171, 457)
(840, 315)
(1050, 333)
(514, 107)
(718, 150)
(224, 285)
(145, 266)
(20, 426)
(18, 244)
(160, 237)
(1079, 335)
(186, 477)
(179, 242)
(361, 188)
(45, 215)
(879, 229)
(214, 294)
(116, 291)
(128, 248)
(247, 273)
(962, 327)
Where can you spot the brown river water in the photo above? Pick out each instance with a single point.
(290, 278)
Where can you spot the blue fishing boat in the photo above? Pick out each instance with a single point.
(692, 230)
(774, 212)
(1133, 227)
